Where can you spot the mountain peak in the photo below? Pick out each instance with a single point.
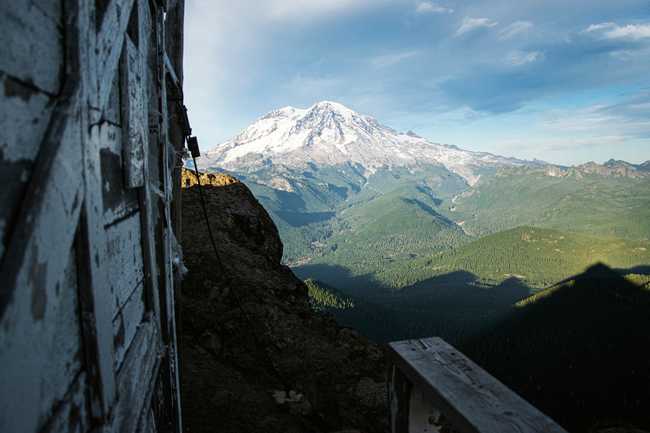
(329, 133)
(337, 106)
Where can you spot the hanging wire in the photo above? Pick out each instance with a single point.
(194, 150)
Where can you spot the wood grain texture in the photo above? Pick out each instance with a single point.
(109, 47)
(32, 42)
(126, 324)
(124, 260)
(470, 399)
(119, 201)
(134, 380)
(24, 118)
(134, 113)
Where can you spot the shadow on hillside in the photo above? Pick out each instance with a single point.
(454, 306)
(342, 279)
(639, 270)
(584, 348)
(427, 209)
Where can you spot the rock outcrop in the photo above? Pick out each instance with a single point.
(255, 356)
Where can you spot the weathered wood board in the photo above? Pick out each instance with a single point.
(450, 384)
(124, 260)
(127, 322)
(32, 43)
(134, 114)
(119, 201)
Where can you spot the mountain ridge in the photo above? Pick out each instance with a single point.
(329, 133)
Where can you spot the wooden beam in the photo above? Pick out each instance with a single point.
(56, 170)
(468, 398)
(33, 267)
(168, 289)
(97, 303)
(134, 115)
(134, 382)
(109, 47)
(172, 73)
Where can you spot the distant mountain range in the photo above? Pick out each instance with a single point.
(331, 134)
(615, 168)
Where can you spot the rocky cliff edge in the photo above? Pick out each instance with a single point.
(255, 356)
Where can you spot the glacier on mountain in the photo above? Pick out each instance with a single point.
(329, 134)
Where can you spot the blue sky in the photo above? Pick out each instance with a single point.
(566, 81)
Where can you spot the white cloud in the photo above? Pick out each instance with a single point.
(392, 59)
(471, 24)
(630, 32)
(628, 118)
(515, 29)
(427, 7)
(520, 58)
(281, 9)
(313, 87)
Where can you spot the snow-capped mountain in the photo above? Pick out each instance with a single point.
(328, 133)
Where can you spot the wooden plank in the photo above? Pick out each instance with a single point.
(95, 293)
(168, 160)
(119, 202)
(33, 270)
(174, 37)
(39, 344)
(32, 44)
(126, 323)
(24, 118)
(172, 73)
(54, 350)
(471, 399)
(135, 115)
(112, 111)
(70, 415)
(399, 396)
(135, 380)
(109, 46)
(124, 261)
(55, 171)
(98, 314)
(62, 343)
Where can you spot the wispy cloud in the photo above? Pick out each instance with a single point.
(392, 59)
(630, 32)
(514, 29)
(428, 7)
(629, 119)
(472, 24)
(314, 87)
(280, 9)
(520, 58)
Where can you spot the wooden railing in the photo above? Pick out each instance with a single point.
(435, 388)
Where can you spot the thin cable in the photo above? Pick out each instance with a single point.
(205, 215)
(238, 301)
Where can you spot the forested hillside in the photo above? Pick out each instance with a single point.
(592, 203)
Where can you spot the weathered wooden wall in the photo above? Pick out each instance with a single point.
(88, 173)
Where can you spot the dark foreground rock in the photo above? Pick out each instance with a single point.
(255, 357)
